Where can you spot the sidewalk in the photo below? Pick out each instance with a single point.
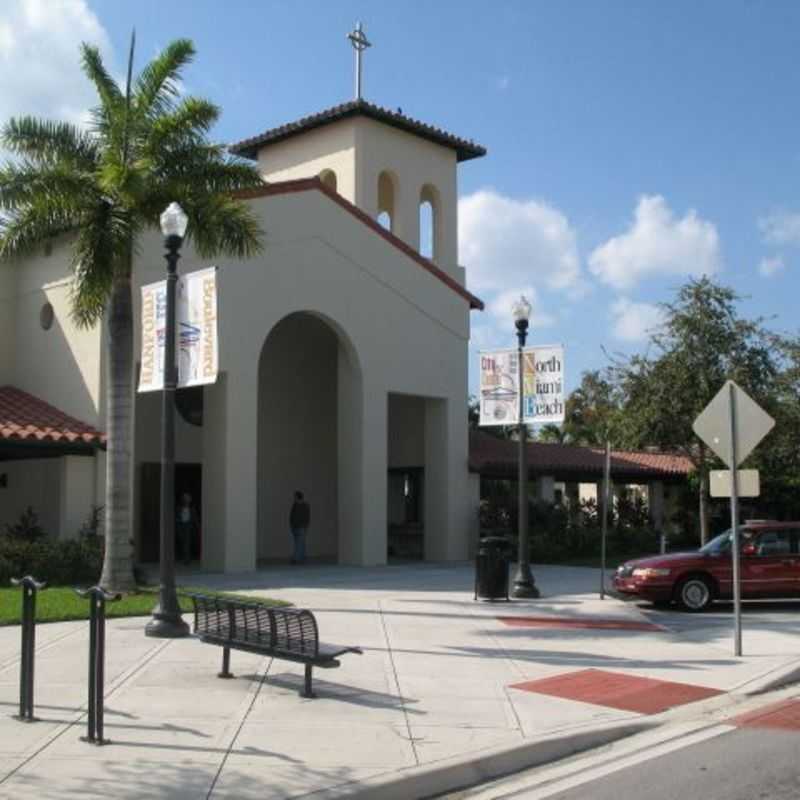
(435, 686)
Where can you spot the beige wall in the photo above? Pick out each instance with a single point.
(358, 151)
(399, 330)
(60, 490)
(61, 365)
(329, 148)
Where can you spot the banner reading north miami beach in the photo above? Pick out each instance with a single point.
(543, 376)
(196, 320)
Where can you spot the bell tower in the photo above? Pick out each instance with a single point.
(398, 170)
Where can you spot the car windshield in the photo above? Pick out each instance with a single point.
(719, 544)
(722, 543)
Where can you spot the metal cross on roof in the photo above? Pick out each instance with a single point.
(360, 43)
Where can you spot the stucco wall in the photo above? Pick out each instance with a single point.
(405, 331)
(406, 431)
(331, 147)
(61, 365)
(35, 483)
(358, 150)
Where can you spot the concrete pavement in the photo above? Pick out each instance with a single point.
(429, 703)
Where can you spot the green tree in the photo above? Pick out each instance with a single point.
(702, 343)
(103, 187)
(592, 411)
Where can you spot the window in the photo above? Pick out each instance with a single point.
(387, 200)
(774, 543)
(429, 222)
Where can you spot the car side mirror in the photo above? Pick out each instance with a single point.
(749, 550)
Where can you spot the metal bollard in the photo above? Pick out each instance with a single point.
(29, 588)
(97, 657)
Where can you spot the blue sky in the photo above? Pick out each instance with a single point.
(630, 144)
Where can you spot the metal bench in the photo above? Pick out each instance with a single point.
(290, 634)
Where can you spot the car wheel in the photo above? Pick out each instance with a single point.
(694, 593)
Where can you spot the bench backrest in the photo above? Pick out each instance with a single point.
(290, 630)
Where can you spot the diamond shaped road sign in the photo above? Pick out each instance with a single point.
(713, 425)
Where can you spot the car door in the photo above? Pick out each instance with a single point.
(768, 564)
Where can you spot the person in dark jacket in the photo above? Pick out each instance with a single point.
(299, 520)
(187, 524)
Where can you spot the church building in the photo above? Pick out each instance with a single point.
(342, 358)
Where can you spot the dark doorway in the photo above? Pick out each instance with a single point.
(404, 511)
(188, 478)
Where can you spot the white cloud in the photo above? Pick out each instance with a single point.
(633, 322)
(782, 227)
(771, 266)
(505, 242)
(657, 243)
(40, 71)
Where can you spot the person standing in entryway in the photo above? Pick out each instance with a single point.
(299, 520)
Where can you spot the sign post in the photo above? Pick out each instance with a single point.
(604, 522)
(732, 424)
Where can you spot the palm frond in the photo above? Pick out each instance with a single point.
(48, 141)
(196, 170)
(94, 69)
(103, 246)
(186, 125)
(25, 230)
(23, 183)
(157, 84)
(222, 225)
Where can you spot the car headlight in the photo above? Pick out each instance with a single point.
(650, 572)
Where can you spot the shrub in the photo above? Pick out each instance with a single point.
(26, 528)
(26, 549)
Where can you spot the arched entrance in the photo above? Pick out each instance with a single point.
(309, 406)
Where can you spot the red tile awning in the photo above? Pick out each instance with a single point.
(497, 458)
(27, 419)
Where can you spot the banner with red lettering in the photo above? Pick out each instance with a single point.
(196, 324)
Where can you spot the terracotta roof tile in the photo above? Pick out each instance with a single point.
(495, 457)
(465, 148)
(24, 417)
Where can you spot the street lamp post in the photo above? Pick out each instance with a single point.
(167, 622)
(524, 585)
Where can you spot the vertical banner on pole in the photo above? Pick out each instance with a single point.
(196, 349)
(542, 383)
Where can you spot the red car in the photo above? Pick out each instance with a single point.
(770, 568)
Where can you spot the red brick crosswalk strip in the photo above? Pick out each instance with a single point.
(618, 690)
(784, 715)
(578, 623)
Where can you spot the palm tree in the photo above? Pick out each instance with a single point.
(146, 146)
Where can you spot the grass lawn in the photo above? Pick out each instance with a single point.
(60, 603)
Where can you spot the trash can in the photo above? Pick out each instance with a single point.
(491, 568)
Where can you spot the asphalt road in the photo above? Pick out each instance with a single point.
(745, 764)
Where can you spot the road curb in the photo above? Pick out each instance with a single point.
(775, 679)
(449, 775)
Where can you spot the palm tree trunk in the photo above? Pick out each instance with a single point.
(118, 563)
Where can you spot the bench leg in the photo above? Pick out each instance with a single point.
(226, 664)
(307, 690)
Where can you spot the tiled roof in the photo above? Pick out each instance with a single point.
(308, 184)
(498, 457)
(465, 148)
(25, 418)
